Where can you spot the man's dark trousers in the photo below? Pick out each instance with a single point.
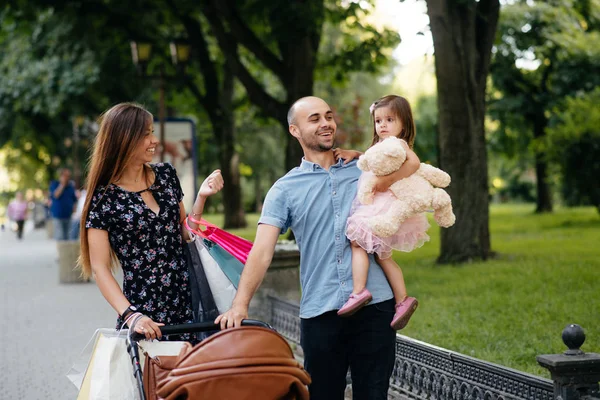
(365, 342)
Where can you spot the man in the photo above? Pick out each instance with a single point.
(314, 200)
(62, 202)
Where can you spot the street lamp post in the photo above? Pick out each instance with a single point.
(180, 55)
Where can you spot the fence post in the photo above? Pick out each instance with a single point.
(575, 374)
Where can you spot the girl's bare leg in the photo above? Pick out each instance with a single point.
(360, 295)
(360, 268)
(394, 275)
(405, 306)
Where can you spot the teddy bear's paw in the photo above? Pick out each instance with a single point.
(366, 198)
(382, 226)
(445, 219)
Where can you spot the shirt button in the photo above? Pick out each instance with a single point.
(337, 238)
(343, 283)
(339, 261)
(334, 192)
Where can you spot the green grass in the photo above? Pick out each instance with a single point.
(513, 308)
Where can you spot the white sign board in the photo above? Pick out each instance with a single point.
(180, 151)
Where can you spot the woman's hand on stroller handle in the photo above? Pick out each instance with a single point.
(232, 317)
(145, 326)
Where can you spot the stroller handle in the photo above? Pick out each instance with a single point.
(198, 327)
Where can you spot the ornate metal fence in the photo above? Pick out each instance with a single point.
(423, 371)
(285, 318)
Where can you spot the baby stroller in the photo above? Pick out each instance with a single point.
(249, 362)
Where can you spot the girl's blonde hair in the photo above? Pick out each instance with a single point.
(401, 108)
(122, 127)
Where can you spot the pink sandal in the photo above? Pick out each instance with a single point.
(404, 310)
(355, 303)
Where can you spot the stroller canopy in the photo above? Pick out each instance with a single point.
(242, 363)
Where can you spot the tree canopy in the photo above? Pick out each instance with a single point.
(545, 51)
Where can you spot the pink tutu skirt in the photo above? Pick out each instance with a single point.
(412, 233)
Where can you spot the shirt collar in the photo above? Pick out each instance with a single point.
(306, 165)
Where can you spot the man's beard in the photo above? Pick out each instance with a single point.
(319, 147)
(316, 146)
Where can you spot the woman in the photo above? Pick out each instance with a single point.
(17, 211)
(133, 215)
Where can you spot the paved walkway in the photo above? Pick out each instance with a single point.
(44, 324)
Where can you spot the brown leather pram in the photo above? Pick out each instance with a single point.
(249, 362)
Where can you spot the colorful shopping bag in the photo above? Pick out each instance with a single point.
(222, 269)
(229, 264)
(234, 245)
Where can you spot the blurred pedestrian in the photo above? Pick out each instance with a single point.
(62, 204)
(17, 212)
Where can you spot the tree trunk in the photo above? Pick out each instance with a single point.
(299, 82)
(224, 127)
(298, 38)
(463, 34)
(544, 196)
(235, 216)
(300, 61)
(217, 100)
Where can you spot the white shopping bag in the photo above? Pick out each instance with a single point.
(103, 369)
(109, 373)
(112, 373)
(222, 289)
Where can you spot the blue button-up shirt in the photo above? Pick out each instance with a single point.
(315, 204)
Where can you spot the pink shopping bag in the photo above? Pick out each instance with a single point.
(234, 245)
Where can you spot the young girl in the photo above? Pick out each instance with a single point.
(392, 116)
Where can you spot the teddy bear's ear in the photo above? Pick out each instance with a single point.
(394, 149)
(362, 163)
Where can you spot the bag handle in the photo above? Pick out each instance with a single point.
(202, 221)
(198, 231)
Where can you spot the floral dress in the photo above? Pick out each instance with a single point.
(149, 246)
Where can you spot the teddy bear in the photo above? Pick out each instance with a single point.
(415, 194)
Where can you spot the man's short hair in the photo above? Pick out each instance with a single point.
(291, 117)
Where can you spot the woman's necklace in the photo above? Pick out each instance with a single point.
(136, 180)
(143, 174)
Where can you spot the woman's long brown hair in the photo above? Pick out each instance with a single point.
(401, 107)
(122, 127)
